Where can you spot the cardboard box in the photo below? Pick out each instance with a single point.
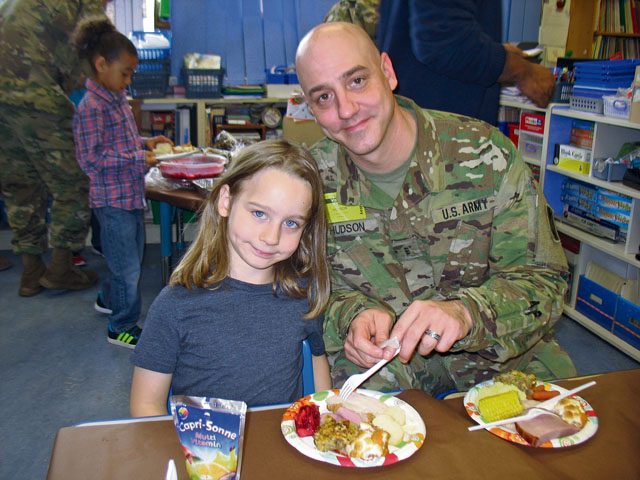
(306, 132)
(572, 158)
(532, 122)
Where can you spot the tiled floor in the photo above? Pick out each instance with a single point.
(57, 368)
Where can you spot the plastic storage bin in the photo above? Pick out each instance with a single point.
(203, 83)
(151, 78)
(562, 92)
(616, 106)
(149, 84)
(611, 172)
(586, 104)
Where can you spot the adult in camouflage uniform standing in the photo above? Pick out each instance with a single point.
(359, 12)
(37, 159)
(438, 232)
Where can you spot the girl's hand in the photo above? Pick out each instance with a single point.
(150, 159)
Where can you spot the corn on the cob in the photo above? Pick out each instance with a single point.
(500, 406)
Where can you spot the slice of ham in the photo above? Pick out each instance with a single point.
(357, 402)
(543, 428)
(348, 414)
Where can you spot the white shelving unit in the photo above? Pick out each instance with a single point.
(608, 136)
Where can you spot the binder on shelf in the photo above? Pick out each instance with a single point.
(183, 126)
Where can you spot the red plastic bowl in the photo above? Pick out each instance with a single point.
(193, 167)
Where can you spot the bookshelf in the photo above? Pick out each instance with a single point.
(200, 132)
(600, 28)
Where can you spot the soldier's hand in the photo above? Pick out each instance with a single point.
(368, 330)
(428, 324)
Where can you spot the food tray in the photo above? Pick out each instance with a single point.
(193, 166)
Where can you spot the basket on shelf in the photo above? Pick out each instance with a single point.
(203, 83)
(151, 78)
(149, 84)
(615, 106)
(562, 92)
(586, 104)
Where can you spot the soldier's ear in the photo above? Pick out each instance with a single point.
(387, 69)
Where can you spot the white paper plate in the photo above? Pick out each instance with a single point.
(414, 426)
(508, 432)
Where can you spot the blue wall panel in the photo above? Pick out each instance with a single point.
(248, 39)
(521, 19)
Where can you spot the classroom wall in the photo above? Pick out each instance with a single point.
(250, 35)
(521, 20)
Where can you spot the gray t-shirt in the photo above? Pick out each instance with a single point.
(237, 342)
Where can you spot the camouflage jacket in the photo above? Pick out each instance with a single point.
(360, 12)
(39, 65)
(469, 224)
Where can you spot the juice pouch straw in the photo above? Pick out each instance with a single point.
(211, 431)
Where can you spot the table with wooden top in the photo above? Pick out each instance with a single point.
(141, 449)
(169, 199)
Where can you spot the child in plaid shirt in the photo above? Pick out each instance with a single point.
(112, 153)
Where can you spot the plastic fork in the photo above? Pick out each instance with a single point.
(354, 381)
(535, 411)
(172, 473)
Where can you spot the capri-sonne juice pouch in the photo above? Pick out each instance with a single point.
(211, 433)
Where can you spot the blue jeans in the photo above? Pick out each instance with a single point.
(122, 238)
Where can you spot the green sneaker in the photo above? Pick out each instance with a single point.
(128, 338)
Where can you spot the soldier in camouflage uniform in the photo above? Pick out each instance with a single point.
(37, 159)
(438, 232)
(359, 12)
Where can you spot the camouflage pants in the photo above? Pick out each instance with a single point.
(37, 160)
(439, 373)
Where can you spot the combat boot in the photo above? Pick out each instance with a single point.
(34, 268)
(62, 275)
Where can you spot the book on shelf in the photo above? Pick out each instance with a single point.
(217, 114)
(572, 158)
(581, 133)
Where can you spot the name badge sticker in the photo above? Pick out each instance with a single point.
(339, 213)
(461, 209)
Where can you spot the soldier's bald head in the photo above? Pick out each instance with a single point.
(335, 37)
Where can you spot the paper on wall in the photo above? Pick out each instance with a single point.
(554, 26)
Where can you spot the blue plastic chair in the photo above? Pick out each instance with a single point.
(443, 395)
(308, 384)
